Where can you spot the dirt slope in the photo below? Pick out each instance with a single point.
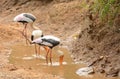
(67, 19)
(48, 19)
(99, 46)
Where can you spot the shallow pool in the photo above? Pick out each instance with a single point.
(23, 55)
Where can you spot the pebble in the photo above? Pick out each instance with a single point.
(85, 71)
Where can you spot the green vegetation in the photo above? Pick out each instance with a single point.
(106, 10)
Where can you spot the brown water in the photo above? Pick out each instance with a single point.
(24, 56)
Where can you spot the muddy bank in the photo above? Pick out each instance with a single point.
(10, 37)
(98, 45)
(95, 44)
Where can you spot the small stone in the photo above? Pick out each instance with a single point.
(85, 71)
(13, 69)
(101, 57)
(101, 70)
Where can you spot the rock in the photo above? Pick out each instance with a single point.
(112, 72)
(85, 71)
(102, 71)
(119, 74)
(13, 69)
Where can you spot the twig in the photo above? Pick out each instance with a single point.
(98, 59)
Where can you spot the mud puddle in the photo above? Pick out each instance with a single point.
(24, 56)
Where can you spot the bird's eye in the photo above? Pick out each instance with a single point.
(41, 35)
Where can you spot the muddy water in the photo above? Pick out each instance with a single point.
(25, 56)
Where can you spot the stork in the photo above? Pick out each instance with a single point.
(25, 18)
(36, 34)
(48, 42)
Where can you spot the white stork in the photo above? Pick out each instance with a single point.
(25, 18)
(48, 42)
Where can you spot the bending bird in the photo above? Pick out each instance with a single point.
(49, 42)
(25, 18)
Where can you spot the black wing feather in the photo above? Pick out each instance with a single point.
(51, 41)
(30, 16)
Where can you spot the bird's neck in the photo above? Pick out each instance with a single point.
(34, 27)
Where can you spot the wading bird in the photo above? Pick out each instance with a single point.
(36, 34)
(48, 42)
(25, 18)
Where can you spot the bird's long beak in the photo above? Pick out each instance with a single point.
(27, 38)
(61, 59)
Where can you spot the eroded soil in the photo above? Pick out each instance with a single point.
(69, 21)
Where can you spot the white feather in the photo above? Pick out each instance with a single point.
(21, 17)
(46, 43)
(18, 17)
(37, 41)
(47, 37)
(37, 33)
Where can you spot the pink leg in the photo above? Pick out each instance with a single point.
(50, 56)
(25, 25)
(47, 57)
(61, 59)
(47, 50)
(39, 50)
(25, 32)
(35, 49)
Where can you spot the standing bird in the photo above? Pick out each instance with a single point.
(36, 34)
(49, 41)
(25, 18)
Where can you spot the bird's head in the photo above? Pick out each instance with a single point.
(36, 34)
